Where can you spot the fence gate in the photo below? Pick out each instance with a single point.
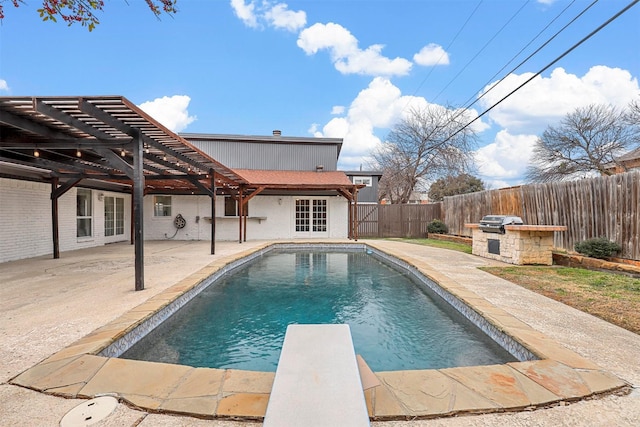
(402, 220)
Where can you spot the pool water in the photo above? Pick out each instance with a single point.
(240, 320)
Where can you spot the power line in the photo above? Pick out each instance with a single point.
(530, 56)
(549, 65)
(481, 49)
(448, 46)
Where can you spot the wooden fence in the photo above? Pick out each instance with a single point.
(396, 220)
(599, 207)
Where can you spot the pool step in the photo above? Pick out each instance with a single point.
(317, 381)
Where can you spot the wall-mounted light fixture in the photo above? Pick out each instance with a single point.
(280, 201)
(101, 196)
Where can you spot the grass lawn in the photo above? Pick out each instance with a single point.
(609, 296)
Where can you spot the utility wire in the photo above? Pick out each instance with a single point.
(549, 65)
(546, 67)
(482, 49)
(448, 46)
(530, 56)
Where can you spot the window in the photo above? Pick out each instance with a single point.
(84, 214)
(231, 207)
(311, 215)
(366, 180)
(319, 215)
(302, 215)
(113, 216)
(161, 205)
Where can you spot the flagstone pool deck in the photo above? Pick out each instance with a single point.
(57, 315)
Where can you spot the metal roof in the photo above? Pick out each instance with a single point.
(92, 137)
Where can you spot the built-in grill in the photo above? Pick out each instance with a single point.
(496, 223)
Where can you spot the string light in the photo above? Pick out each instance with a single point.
(164, 157)
(78, 153)
(36, 153)
(123, 153)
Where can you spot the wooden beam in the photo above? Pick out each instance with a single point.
(30, 126)
(41, 107)
(59, 191)
(117, 162)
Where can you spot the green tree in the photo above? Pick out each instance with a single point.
(585, 142)
(430, 142)
(453, 185)
(84, 11)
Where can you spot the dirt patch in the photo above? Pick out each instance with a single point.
(612, 297)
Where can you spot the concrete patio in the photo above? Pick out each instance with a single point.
(48, 305)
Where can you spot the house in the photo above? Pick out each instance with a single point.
(77, 172)
(626, 162)
(370, 179)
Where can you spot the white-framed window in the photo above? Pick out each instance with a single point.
(161, 205)
(366, 180)
(84, 213)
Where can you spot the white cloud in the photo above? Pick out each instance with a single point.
(347, 57)
(545, 100)
(431, 54)
(337, 109)
(254, 13)
(4, 87)
(376, 108)
(505, 160)
(171, 112)
(246, 12)
(280, 17)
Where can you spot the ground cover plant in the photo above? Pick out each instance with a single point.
(609, 296)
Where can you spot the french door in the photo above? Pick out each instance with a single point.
(311, 217)
(114, 219)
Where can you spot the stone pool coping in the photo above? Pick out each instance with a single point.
(561, 375)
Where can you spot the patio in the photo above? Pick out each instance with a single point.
(48, 304)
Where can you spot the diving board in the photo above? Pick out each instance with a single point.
(317, 382)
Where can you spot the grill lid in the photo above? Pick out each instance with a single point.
(496, 223)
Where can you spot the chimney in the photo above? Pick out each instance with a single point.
(277, 133)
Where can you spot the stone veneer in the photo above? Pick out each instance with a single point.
(520, 244)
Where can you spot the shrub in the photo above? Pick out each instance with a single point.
(597, 248)
(437, 227)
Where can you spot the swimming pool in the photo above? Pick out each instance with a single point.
(397, 322)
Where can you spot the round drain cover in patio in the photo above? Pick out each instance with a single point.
(89, 412)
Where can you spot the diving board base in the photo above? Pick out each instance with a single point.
(317, 382)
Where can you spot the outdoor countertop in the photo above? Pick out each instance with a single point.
(527, 227)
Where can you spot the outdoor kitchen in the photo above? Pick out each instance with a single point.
(506, 238)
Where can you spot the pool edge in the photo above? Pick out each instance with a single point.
(78, 370)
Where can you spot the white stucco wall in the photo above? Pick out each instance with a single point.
(25, 213)
(270, 218)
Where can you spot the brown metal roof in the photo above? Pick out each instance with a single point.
(74, 135)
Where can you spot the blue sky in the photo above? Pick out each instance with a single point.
(335, 68)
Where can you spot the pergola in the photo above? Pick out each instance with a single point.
(108, 140)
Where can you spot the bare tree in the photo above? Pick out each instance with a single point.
(428, 143)
(584, 143)
(452, 185)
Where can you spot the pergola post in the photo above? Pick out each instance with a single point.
(54, 218)
(138, 211)
(240, 213)
(213, 211)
